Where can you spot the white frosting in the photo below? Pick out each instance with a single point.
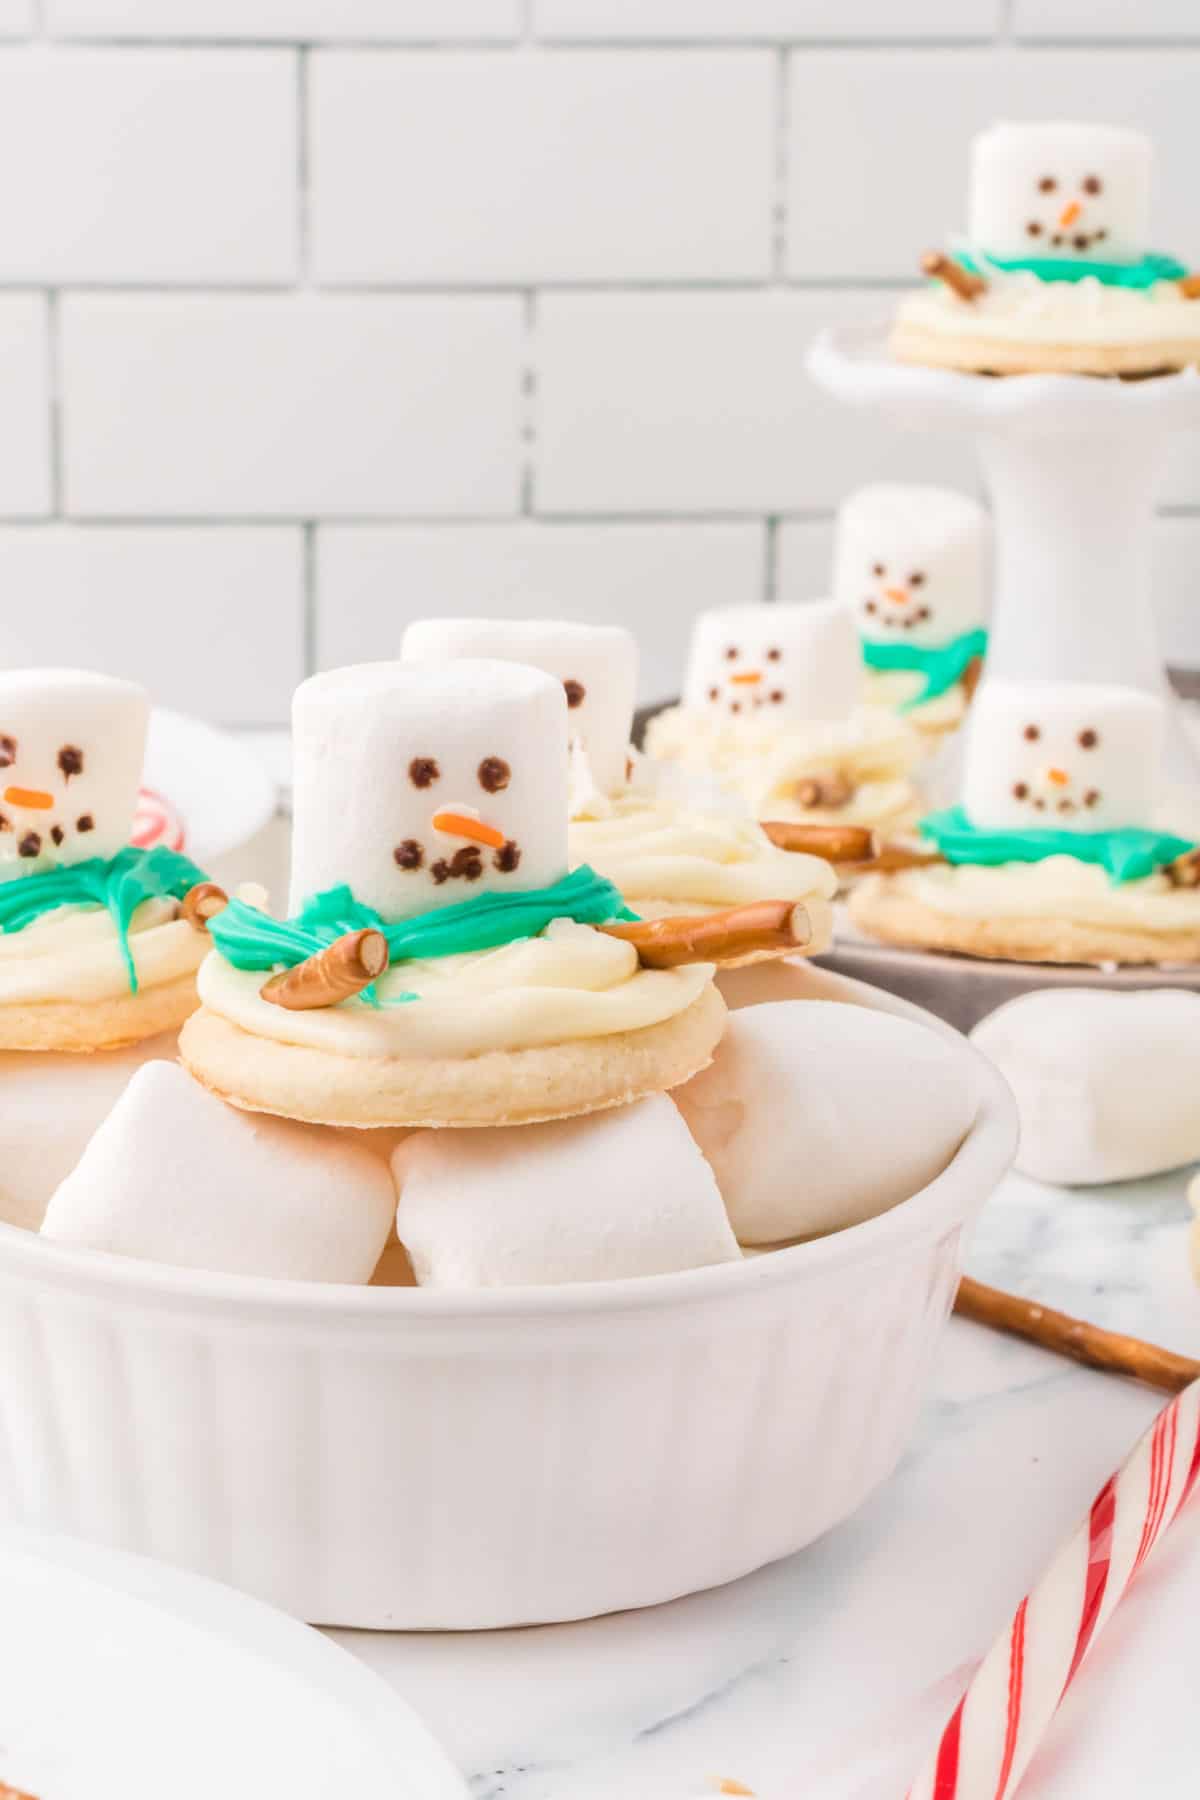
(1061, 189)
(421, 787)
(74, 954)
(571, 982)
(1070, 755)
(794, 662)
(653, 850)
(910, 563)
(1018, 308)
(1060, 887)
(896, 688)
(597, 665)
(71, 748)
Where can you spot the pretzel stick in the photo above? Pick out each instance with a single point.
(963, 282)
(743, 934)
(971, 677)
(1184, 872)
(890, 859)
(1189, 287)
(200, 904)
(1083, 1343)
(343, 968)
(836, 843)
(830, 789)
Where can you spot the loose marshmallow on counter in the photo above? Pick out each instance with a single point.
(597, 665)
(1105, 1083)
(49, 1108)
(175, 1176)
(796, 661)
(594, 1199)
(815, 1115)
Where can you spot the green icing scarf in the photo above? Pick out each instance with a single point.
(119, 885)
(942, 667)
(1127, 855)
(1143, 273)
(250, 939)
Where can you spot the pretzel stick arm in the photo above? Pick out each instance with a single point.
(1189, 287)
(836, 843)
(744, 934)
(963, 282)
(342, 969)
(1075, 1338)
(200, 904)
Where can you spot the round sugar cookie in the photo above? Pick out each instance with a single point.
(981, 355)
(500, 1087)
(880, 907)
(82, 1026)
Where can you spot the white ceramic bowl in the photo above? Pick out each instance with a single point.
(398, 1458)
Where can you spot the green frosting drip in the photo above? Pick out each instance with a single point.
(119, 886)
(942, 667)
(250, 939)
(1143, 273)
(1127, 855)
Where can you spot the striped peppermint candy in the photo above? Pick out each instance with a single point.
(155, 822)
(1004, 1714)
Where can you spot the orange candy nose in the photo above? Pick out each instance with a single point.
(32, 798)
(462, 825)
(748, 679)
(1069, 214)
(1059, 777)
(897, 596)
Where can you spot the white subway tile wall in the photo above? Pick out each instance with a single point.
(317, 316)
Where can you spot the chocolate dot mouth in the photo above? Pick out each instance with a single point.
(30, 844)
(409, 854)
(508, 858)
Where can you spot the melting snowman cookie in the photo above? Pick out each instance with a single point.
(1053, 855)
(1054, 273)
(440, 965)
(667, 850)
(772, 712)
(93, 950)
(911, 564)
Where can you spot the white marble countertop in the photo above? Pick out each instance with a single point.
(826, 1675)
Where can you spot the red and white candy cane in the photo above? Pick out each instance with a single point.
(1003, 1716)
(155, 822)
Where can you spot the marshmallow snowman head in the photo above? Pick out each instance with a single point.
(596, 664)
(1066, 756)
(423, 786)
(1060, 190)
(71, 750)
(788, 662)
(911, 564)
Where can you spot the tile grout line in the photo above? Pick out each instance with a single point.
(771, 560)
(54, 401)
(303, 166)
(309, 597)
(779, 173)
(527, 448)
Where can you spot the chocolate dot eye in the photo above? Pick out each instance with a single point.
(1088, 739)
(1047, 184)
(1032, 734)
(70, 761)
(575, 691)
(731, 653)
(494, 774)
(879, 570)
(1020, 791)
(1092, 184)
(423, 771)
(8, 751)
(774, 653)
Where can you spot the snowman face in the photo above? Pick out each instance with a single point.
(71, 749)
(422, 787)
(910, 564)
(1065, 191)
(787, 662)
(1062, 756)
(596, 664)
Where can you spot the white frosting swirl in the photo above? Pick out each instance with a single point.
(1019, 307)
(74, 954)
(896, 688)
(571, 982)
(1060, 887)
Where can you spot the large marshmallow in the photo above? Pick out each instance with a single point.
(175, 1176)
(791, 662)
(50, 1106)
(1062, 755)
(71, 749)
(1105, 1083)
(597, 665)
(593, 1199)
(910, 563)
(1060, 190)
(815, 1116)
(383, 751)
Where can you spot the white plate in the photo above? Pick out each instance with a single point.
(123, 1679)
(218, 786)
